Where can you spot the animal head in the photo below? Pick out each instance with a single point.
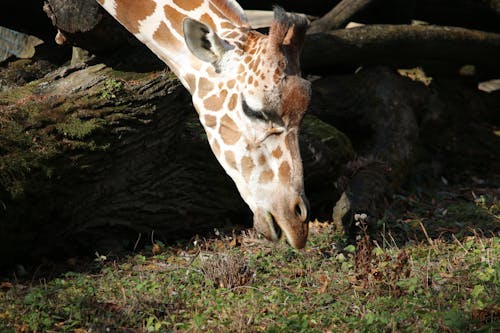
(251, 103)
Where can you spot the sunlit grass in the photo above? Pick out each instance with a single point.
(245, 284)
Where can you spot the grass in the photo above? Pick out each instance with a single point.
(438, 280)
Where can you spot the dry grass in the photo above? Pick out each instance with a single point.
(226, 270)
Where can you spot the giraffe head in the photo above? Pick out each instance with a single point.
(251, 103)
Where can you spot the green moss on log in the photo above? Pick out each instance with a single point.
(78, 129)
(328, 135)
(22, 151)
(66, 114)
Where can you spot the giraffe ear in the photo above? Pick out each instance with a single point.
(202, 41)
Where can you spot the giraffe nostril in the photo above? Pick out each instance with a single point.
(302, 209)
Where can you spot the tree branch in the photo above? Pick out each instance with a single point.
(338, 16)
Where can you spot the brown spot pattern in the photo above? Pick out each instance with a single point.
(284, 173)
(229, 155)
(232, 35)
(191, 81)
(188, 4)
(247, 166)
(175, 18)
(266, 176)
(255, 64)
(130, 12)
(229, 131)
(205, 18)
(291, 145)
(262, 159)
(210, 121)
(277, 153)
(228, 26)
(224, 8)
(214, 102)
(277, 75)
(204, 86)
(163, 36)
(232, 102)
(215, 147)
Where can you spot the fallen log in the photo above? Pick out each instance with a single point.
(401, 46)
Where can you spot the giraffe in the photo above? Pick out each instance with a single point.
(249, 94)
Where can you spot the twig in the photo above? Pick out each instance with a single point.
(137, 242)
(429, 240)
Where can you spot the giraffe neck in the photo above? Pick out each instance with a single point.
(158, 24)
(247, 89)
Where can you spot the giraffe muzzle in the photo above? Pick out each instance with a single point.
(292, 221)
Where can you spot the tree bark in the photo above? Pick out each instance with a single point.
(402, 46)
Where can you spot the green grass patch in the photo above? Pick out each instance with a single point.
(244, 284)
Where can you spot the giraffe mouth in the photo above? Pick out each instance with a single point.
(274, 226)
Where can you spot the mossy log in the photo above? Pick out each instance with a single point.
(88, 151)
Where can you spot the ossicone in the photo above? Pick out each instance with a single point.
(287, 29)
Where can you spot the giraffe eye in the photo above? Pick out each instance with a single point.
(251, 113)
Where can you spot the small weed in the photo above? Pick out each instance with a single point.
(111, 89)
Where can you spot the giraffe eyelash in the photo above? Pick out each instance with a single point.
(251, 113)
(263, 115)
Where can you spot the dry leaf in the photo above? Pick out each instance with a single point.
(156, 249)
(6, 285)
